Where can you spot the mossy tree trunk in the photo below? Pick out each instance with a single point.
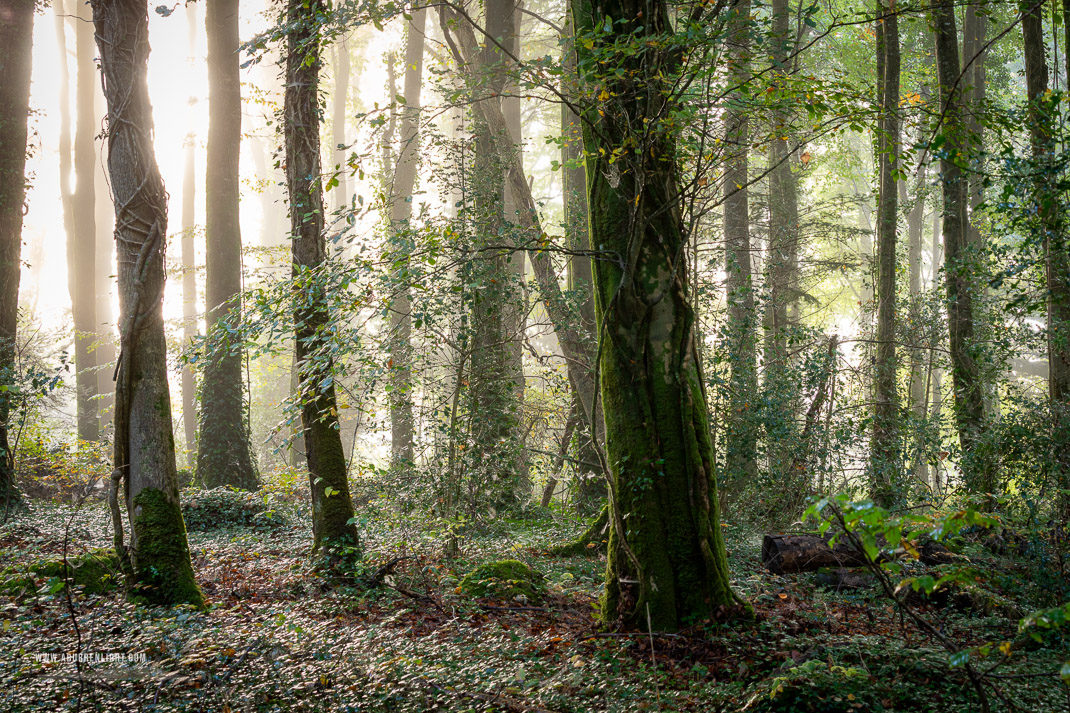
(494, 400)
(223, 453)
(334, 533)
(577, 346)
(591, 488)
(666, 564)
(884, 455)
(144, 458)
(401, 197)
(962, 290)
(16, 46)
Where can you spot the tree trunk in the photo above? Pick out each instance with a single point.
(189, 265)
(16, 54)
(741, 459)
(333, 531)
(144, 443)
(786, 554)
(590, 492)
(936, 411)
(962, 293)
(885, 485)
(1052, 224)
(339, 116)
(493, 404)
(920, 359)
(81, 233)
(782, 277)
(516, 311)
(401, 199)
(223, 453)
(576, 345)
(668, 566)
(104, 218)
(189, 292)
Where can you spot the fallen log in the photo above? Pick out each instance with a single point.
(785, 554)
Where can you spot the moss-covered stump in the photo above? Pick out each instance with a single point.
(96, 572)
(507, 579)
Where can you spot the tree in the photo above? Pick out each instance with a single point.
(1051, 213)
(401, 199)
(16, 45)
(189, 291)
(81, 233)
(666, 564)
(339, 100)
(591, 489)
(741, 459)
(884, 486)
(782, 267)
(577, 346)
(962, 291)
(334, 533)
(144, 456)
(189, 262)
(494, 397)
(223, 453)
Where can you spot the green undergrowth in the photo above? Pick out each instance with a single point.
(221, 508)
(277, 635)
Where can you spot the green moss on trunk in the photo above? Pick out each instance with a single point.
(667, 565)
(163, 573)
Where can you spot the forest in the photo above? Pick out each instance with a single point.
(535, 355)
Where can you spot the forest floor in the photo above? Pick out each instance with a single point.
(278, 637)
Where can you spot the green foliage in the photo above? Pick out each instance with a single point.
(219, 508)
(49, 466)
(505, 579)
(817, 687)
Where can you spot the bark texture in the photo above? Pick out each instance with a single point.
(884, 464)
(962, 292)
(334, 534)
(144, 456)
(223, 453)
(1051, 216)
(666, 560)
(16, 46)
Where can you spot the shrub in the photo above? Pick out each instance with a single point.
(206, 510)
